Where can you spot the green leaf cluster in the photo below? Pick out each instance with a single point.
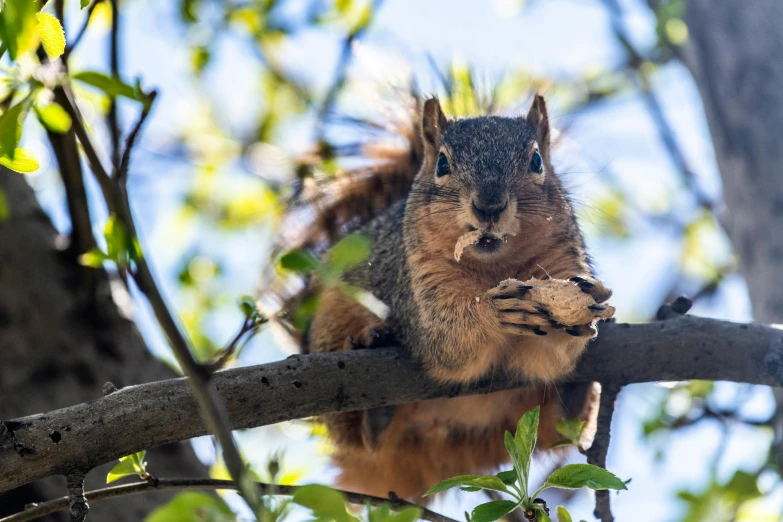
(515, 483)
(121, 247)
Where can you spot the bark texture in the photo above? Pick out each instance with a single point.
(60, 341)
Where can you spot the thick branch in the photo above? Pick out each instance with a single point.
(52, 506)
(140, 417)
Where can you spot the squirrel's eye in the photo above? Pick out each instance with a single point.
(536, 163)
(442, 168)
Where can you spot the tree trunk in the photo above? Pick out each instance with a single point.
(61, 338)
(735, 53)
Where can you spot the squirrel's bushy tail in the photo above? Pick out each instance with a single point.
(329, 206)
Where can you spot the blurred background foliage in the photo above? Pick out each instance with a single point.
(256, 96)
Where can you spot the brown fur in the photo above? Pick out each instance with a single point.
(453, 317)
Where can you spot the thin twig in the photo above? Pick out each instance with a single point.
(229, 351)
(596, 455)
(98, 495)
(75, 499)
(121, 175)
(112, 119)
(75, 41)
(210, 403)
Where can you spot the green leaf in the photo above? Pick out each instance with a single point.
(129, 465)
(525, 442)
(563, 515)
(51, 34)
(325, 502)
(93, 258)
(54, 117)
(84, 3)
(191, 506)
(575, 476)
(349, 252)
(492, 510)
(11, 126)
(298, 261)
(571, 429)
(511, 447)
(5, 208)
(111, 86)
(18, 25)
(22, 161)
(116, 240)
(541, 515)
(248, 306)
(476, 481)
(384, 513)
(508, 477)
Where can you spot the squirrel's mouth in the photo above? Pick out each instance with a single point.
(488, 243)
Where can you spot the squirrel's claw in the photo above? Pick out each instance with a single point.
(593, 288)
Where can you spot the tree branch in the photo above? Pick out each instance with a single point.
(141, 417)
(596, 455)
(98, 495)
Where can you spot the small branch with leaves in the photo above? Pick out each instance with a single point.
(515, 482)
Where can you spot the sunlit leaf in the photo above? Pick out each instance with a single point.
(129, 465)
(563, 515)
(84, 3)
(94, 258)
(11, 126)
(23, 161)
(51, 34)
(54, 117)
(111, 86)
(192, 506)
(18, 24)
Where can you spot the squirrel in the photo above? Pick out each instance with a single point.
(463, 314)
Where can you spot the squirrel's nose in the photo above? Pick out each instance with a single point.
(488, 212)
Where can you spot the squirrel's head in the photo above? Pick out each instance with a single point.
(493, 174)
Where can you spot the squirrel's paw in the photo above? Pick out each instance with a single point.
(516, 312)
(526, 307)
(380, 337)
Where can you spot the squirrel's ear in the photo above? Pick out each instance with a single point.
(433, 123)
(538, 117)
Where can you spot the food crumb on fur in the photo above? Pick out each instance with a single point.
(465, 240)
